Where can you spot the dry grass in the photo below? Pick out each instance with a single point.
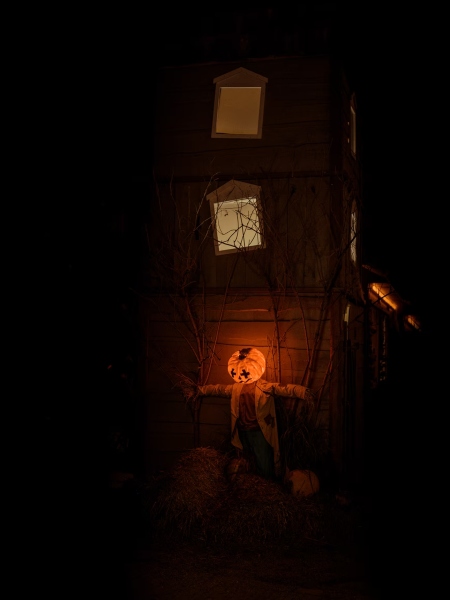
(196, 501)
(192, 490)
(254, 510)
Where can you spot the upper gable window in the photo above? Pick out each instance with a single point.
(239, 105)
(236, 215)
(353, 125)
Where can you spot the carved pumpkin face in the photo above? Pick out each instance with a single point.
(246, 365)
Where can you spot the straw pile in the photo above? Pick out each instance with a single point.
(191, 492)
(255, 510)
(199, 501)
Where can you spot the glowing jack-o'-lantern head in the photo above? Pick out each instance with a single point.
(246, 365)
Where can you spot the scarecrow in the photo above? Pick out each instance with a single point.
(254, 427)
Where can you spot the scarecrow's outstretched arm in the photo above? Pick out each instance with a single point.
(291, 390)
(221, 390)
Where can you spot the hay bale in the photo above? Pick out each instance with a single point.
(194, 486)
(255, 510)
(198, 500)
(237, 466)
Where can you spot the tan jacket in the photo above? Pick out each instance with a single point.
(265, 408)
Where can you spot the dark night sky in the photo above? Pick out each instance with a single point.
(398, 62)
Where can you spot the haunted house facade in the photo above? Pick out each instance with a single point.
(255, 239)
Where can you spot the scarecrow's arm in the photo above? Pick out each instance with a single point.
(291, 390)
(220, 390)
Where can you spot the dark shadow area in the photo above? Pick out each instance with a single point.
(405, 441)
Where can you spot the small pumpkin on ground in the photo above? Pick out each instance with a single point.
(302, 482)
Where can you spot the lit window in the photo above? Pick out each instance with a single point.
(239, 105)
(238, 110)
(236, 216)
(353, 125)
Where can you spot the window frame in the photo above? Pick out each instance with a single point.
(353, 125)
(239, 78)
(234, 191)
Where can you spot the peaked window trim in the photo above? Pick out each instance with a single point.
(230, 193)
(239, 78)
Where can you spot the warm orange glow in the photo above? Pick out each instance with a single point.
(385, 292)
(412, 320)
(246, 365)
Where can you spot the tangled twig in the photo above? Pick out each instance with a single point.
(188, 387)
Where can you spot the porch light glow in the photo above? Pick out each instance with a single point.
(384, 292)
(411, 320)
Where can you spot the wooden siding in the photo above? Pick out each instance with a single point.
(297, 227)
(246, 320)
(308, 182)
(296, 126)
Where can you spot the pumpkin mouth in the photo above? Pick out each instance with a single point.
(244, 376)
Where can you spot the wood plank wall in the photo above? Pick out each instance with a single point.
(247, 320)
